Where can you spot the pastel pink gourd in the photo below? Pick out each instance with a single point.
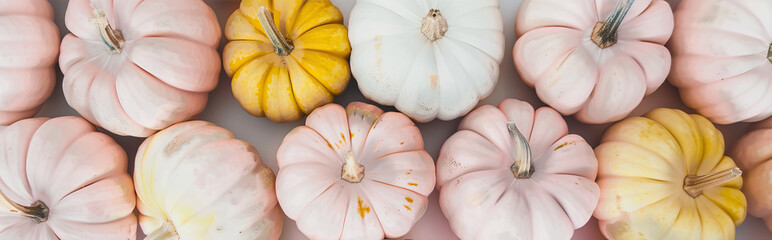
(354, 173)
(196, 181)
(515, 173)
(137, 66)
(61, 179)
(29, 44)
(580, 64)
(722, 58)
(752, 154)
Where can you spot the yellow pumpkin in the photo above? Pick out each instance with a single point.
(665, 176)
(286, 57)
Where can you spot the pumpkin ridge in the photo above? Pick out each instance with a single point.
(394, 186)
(300, 66)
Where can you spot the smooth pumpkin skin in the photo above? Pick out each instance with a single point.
(721, 64)
(753, 154)
(555, 55)
(77, 172)
(208, 185)
(283, 88)
(393, 193)
(642, 165)
(29, 45)
(480, 195)
(168, 64)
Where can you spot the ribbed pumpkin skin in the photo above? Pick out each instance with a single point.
(78, 173)
(643, 163)
(482, 198)
(205, 184)
(722, 59)
(167, 64)
(29, 45)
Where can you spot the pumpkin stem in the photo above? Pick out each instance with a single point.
(352, 171)
(694, 185)
(112, 38)
(38, 212)
(604, 34)
(769, 53)
(165, 232)
(522, 167)
(282, 45)
(434, 26)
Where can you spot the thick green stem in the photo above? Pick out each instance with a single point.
(605, 33)
(352, 171)
(165, 232)
(694, 185)
(112, 38)
(282, 46)
(521, 167)
(38, 212)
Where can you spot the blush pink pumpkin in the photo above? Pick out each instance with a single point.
(354, 173)
(137, 66)
(59, 178)
(581, 64)
(722, 58)
(196, 181)
(29, 44)
(515, 173)
(752, 154)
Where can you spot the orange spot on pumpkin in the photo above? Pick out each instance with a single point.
(408, 173)
(406, 207)
(412, 184)
(561, 145)
(402, 143)
(342, 137)
(408, 199)
(362, 208)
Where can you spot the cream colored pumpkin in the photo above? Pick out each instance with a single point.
(429, 58)
(665, 176)
(194, 180)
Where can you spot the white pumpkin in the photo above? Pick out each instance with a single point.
(429, 58)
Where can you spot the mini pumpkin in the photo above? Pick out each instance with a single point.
(753, 153)
(194, 180)
(354, 173)
(137, 66)
(61, 179)
(665, 176)
(722, 58)
(28, 49)
(593, 58)
(286, 57)
(428, 58)
(515, 173)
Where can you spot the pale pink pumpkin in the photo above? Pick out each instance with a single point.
(354, 173)
(29, 44)
(196, 181)
(752, 154)
(593, 58)
(59, 178)
(137, 66)
(515, 173)
(722, 58)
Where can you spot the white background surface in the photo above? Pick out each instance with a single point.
(266, 136)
